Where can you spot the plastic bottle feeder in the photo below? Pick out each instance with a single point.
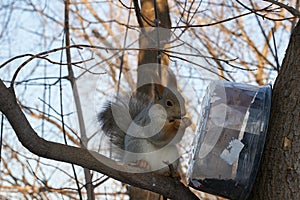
(229, 139)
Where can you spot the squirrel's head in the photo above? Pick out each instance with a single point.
(171, 100)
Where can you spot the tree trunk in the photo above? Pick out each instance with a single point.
(153, 14)
(155, 23)
(148, 37)
(279, 174)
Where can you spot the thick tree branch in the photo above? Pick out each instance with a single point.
(28, 137)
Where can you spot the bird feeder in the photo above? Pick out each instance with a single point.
(229, 139)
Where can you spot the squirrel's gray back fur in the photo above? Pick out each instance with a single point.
(122, 105)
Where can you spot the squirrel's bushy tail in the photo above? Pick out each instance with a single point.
(118, 114)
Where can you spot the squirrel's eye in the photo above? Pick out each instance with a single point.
(169, 103)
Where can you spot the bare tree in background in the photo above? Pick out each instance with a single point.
(54, 53)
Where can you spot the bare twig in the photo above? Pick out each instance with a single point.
(87, 173)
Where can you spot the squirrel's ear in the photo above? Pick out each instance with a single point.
(168, 78)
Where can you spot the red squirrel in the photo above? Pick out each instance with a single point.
(147, 126)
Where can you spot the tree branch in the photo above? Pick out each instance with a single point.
(292, 10)
(166, 186)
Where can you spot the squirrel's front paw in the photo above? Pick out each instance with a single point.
(141, 164)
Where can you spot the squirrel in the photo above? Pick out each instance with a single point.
(146, 127)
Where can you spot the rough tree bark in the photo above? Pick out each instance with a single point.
(279, 174)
